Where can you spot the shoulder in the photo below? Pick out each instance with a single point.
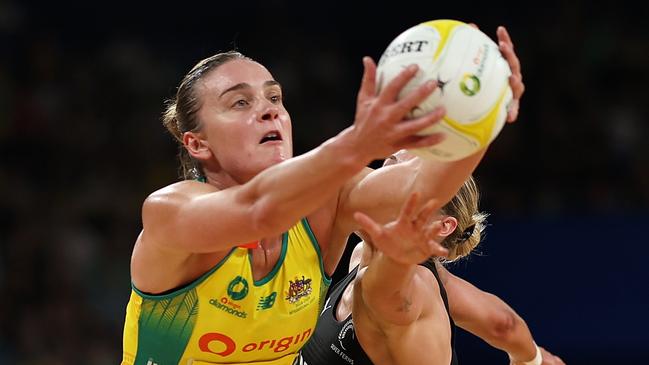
(179, 190)
(174, 194)
(161, 208)
(428, 278)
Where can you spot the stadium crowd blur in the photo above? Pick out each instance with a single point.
(81, 144)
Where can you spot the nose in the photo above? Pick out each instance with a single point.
(270, 113)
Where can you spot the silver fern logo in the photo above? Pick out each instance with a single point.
(349, 325)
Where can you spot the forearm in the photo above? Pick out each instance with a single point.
(287, 192)
(496, 323)
(516, 340)
(381, 192)
(488, 317)
(442, 180)
(389, 290)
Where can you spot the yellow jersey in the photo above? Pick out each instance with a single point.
(227, 317)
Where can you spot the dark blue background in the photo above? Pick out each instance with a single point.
(82, 86)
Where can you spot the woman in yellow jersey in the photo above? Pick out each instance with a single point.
(201, 293)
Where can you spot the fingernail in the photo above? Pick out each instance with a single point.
(412, 68)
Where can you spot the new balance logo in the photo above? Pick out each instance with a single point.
(267, 302)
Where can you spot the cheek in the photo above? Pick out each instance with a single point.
(230, 134)
(288, 127)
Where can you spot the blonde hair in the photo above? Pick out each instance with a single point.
(180, 112)
(470, 221)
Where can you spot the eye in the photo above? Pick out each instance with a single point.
(241, 103)
(275, 99)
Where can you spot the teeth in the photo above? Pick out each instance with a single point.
(271, 136)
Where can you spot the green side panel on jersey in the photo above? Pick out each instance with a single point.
(165, 327)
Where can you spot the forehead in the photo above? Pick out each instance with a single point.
(236, 72)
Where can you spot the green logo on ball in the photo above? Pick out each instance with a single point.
(470, 85)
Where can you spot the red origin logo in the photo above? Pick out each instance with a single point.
(204, 342)
(276, 345)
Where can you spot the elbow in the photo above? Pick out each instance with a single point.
(504, 326)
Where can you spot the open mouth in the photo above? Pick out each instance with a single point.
(270, 137)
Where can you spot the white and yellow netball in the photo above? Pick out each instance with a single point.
(473, 83)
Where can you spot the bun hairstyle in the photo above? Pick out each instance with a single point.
(180, 112)
(470, 221)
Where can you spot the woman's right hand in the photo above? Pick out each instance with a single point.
(380, 127)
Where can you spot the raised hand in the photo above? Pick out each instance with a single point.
(380, 126)
(516, 79)
(411, 239)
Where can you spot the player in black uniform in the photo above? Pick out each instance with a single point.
(401, 313)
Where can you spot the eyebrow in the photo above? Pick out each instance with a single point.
(245, 85)
(272, 83)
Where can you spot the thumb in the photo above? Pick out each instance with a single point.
(368, 224)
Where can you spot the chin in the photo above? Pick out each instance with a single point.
(271, 161)
(280, 155)
(277, 159)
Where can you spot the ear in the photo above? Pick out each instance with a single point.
(449, 224)
(356, 256)
(196, 146)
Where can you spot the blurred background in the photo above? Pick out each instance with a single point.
(82, 87)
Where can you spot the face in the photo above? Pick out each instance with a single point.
(244, 125)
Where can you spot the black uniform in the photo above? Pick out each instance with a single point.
(334, 342)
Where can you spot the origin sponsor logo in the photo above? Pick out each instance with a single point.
(227, 345)
(224, 305)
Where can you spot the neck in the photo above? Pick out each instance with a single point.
(221, 180)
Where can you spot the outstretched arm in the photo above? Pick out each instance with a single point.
(490, 318)
(391, 290)
(399, 298)
(193, 219)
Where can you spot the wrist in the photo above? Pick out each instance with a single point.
(395, 263)
(349, 150)
(537, 360)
